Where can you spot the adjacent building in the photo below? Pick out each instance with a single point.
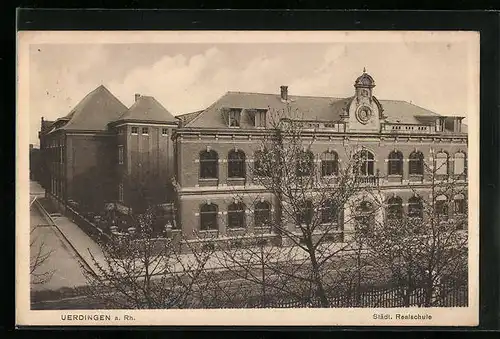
(215, 147)
(101, 153)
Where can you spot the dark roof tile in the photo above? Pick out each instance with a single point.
(308, 107)
(147, 108)
(94, 111)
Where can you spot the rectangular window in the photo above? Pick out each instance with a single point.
(145, 131)
(260, 118)
(120, 154)
(120, 193)
(135, 130)
(441, 164)
(234, 118)
(164, 131)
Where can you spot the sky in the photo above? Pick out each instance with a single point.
(186, 77)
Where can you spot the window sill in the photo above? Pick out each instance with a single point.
(208, 181)
(208, 231)
(235, 229)
(395, 176)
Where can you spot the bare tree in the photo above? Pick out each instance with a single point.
(39, 256)
(424, 249)
(309, 194)
(143, 271)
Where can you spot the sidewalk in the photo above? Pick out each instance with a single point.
(83, 245)
(80, 242)
(36, 189)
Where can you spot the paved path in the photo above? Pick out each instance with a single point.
(63, 261)
(80, 241)
(70, 246)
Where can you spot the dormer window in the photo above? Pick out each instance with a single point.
(439, 125)
(234, 118)
(260, 118)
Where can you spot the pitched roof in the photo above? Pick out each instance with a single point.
(94, 111)
(147, 108)
(46, 124)
(188, 117)
(309, 108)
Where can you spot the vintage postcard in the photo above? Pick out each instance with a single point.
(247, 178)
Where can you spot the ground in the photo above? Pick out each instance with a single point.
(63, 260)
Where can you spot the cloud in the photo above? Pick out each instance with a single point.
(430, 75)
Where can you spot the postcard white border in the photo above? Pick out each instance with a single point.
(467, 316)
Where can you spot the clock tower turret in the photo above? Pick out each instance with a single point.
(364, 85)
(365, 109)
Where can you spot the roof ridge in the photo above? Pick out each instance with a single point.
(151, 105)
(290, 95)
(80, 106)
(207, 108)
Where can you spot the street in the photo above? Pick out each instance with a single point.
(62, 260)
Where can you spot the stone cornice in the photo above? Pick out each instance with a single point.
(206, 133)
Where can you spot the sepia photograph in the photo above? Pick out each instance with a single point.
(251, 178)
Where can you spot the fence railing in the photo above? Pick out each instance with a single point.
(367, 179)
(447, 295)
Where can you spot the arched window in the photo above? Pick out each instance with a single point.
(262, 214)
(236, 215)
(208, 217)
(236, 164)
(365, 162)
(365, 216)
(395, 163)
(209, 164)
(459, 163)
(416, 163)
(459, 204)
(415, 208)
(441, 206)
(329, 164)
(261, 166)
(329, 213)
(394, 208)
(305, 163)
(441, 163)
(305, 213)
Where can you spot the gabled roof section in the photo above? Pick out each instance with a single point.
(147, 109)
(46, 124)
(398, 111)
(186, 118)
(307, 107)
(94, 111)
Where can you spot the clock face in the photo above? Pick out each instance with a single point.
(364, 114)
(364, 92)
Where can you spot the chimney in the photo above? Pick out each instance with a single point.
(137, 96)
(284, 93)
